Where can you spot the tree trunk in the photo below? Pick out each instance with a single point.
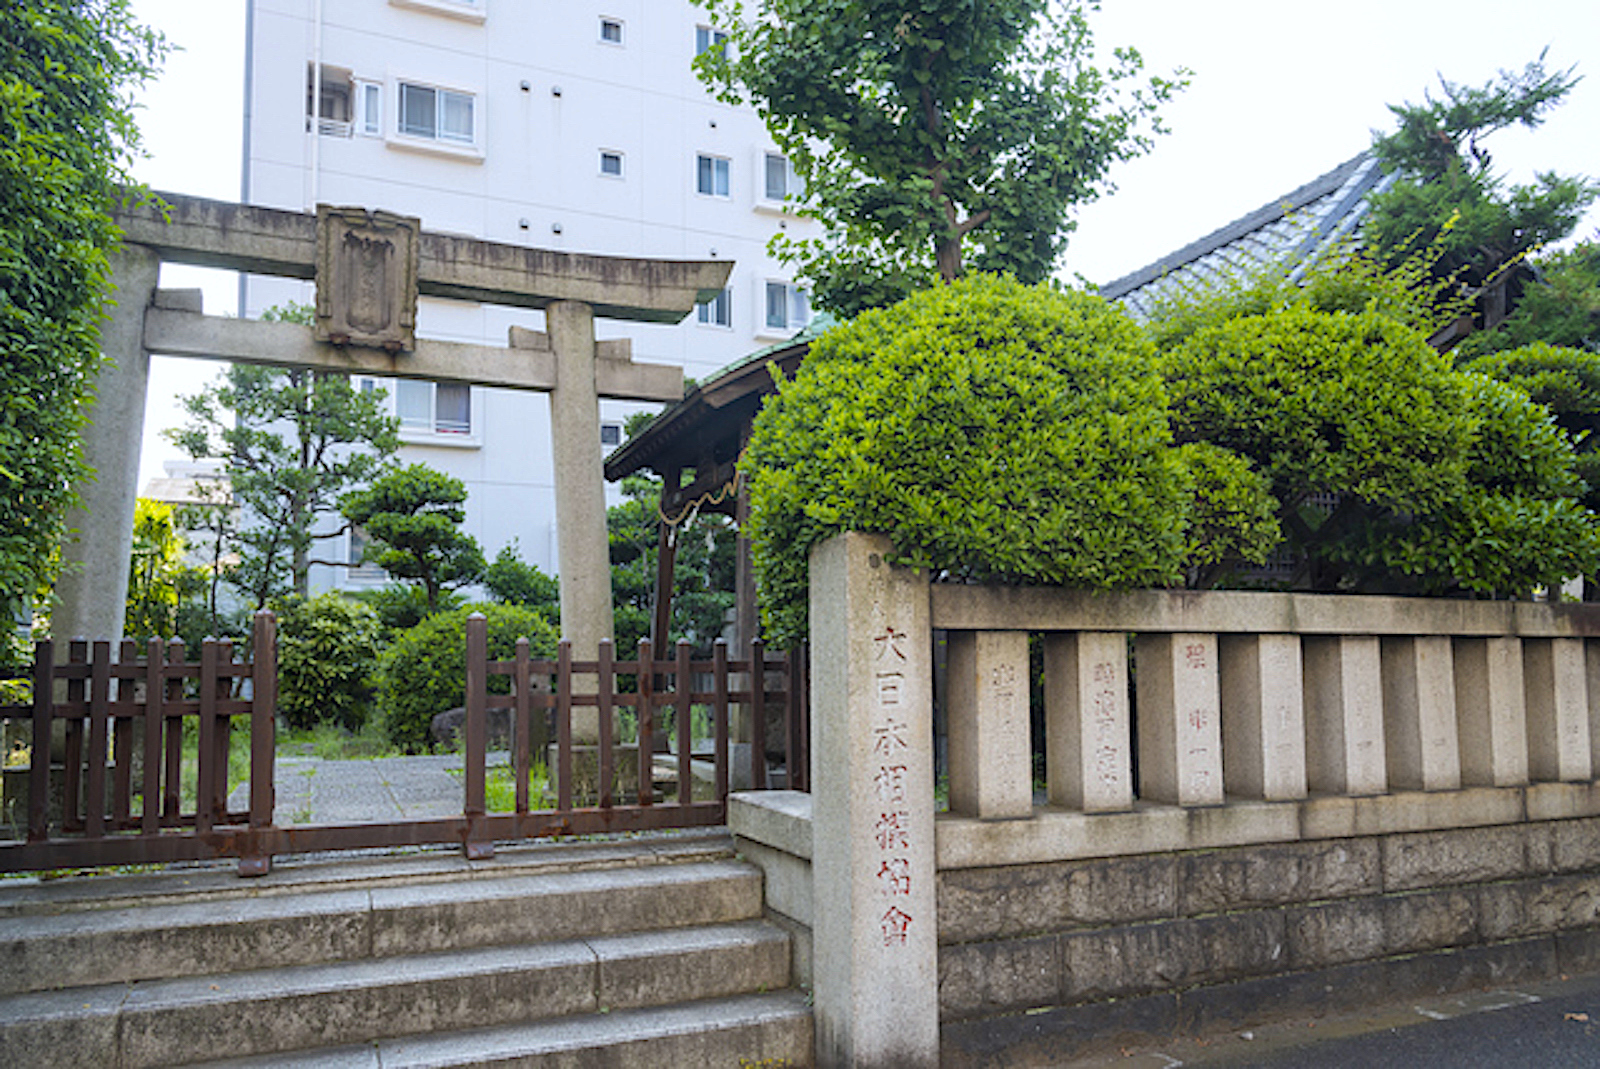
(947, 256)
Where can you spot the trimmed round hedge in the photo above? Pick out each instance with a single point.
(425, 672)
(996, 432)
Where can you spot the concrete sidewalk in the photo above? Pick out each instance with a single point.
(314, 791)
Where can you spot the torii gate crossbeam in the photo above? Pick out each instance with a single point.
(565, 361)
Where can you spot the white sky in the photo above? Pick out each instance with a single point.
(1280, 93)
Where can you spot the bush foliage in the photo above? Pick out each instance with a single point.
(327, 661)
(424, 672)
(1392, 471)
(67, 68)
(996, 432)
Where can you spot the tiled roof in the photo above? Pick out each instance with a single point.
(1286, 232)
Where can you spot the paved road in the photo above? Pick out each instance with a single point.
(313, 791)
(1535, 1026)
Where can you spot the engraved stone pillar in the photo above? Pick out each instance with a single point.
(1344, 714)
(1592, 663)
(875, 959)
(1556, 686)
(93, 587)
(1179, 729)
(1491, 712)
(1263, 716)
(1088, 755)
(991, 756)
(1419, 713)
(582, 552)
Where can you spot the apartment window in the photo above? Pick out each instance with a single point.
(787, 306)
(711, 175)
(469, 10)
(611, 163)
(369, 108)
(781, 182)
(359, 570)
(705, 39)
(434, 407)
(611, 30)
(610, 435)
(718, 311)
(334, 107)
(437, 114)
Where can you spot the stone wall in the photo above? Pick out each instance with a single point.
(1207, 938)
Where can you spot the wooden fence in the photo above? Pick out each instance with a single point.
(114, 794)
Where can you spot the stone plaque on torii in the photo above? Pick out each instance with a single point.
(370, 268)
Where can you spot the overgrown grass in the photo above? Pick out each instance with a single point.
(332, 743)
(500, 788)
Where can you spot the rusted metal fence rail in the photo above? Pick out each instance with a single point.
(105, 734)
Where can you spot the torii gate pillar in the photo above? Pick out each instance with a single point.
(584, 561)
(93, 589)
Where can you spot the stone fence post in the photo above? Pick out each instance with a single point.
(875, 929)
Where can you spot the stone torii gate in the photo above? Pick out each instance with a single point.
(370, 268)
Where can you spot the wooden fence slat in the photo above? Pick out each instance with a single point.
(263, 719)
(172, 775)
(72, 763)
(719, 714)
(125, 674)
(39, 759)
(99, 739)
(605, 692)
(684, 714)
(154, 720)
(647, 724)
(564, 725)
(758, 715)
(521, 730)
(222, 738)
(477, 711)
(205, 784)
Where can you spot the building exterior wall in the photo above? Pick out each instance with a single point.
(550, 97)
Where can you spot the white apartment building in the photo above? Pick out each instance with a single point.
(577, 126)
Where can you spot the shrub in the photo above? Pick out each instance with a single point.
(995, 432)
(1392, 472)
(327, 661)
(425, 671)
(402, 606)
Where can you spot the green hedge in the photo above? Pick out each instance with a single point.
(327, 661)
(996, 432)
(425, 672)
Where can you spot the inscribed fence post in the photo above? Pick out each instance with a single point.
(875, 969)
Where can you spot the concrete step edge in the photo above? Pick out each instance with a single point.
(147, 1024)
(772, 1028)
(148, 943)
(218, 881)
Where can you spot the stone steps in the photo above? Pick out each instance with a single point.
(370, 955)
(772, 1028)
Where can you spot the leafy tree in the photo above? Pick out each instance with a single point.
(424, 672)
(67, 71)
(212, 523)
(703, 570)
(1392, 472)
(1447, 191)
(413, 516)
(294, 441)
(1560, 307)
(156, 572)
(1567, 383)
(997, 433)
(327, 661)
(512, 581)
(932, 137)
